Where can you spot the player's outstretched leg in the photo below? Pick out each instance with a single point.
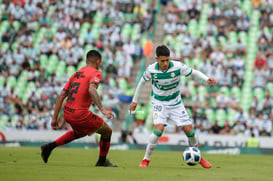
(205, 163)
(46, 150)
(104, 144)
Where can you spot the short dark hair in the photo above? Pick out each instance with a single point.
(93, 55)
(162, 50)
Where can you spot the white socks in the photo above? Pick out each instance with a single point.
(193, 141)
(151, 146)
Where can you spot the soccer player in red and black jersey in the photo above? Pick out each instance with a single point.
(81, 91)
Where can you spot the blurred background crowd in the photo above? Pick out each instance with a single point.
(43, 42)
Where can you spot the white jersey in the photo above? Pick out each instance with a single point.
(166, 85)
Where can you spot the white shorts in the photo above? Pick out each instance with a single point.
(162, 114)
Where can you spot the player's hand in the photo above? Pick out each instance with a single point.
(132, 108)
(54, 124)
(108, 114)
(211, 81)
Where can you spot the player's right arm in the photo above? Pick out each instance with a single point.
(146, 76)
(58, 106)
(135, 100)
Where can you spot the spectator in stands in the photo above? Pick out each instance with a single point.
(44, 20)
(259, 80)
(215, 71)
(129, 47)
(225, 78)
(240, 47)
(32, 54)
(73, 26)
(222, 28)
(217, 56)
(60, 34)
(205, 65)
(66, 43)
(6, 37)
(4, 68)
(236, 80)
(20, 124)
(187, 99)
(226, 129)
(194, 11)
(263, 125)
(271, 19)
(14, 68)
(242, 23)
(187, 48)
(222, 101)
(211, 28)
(215, 128)
(260, 61)
(238, 66)
(32, 124)
(250, 124)
(239, 126)
(202, 124)
(233, 101)
(270, 62)
(266, 104)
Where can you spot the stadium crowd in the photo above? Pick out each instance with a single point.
(44, 42)
(215, 38)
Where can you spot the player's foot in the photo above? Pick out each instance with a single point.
(106, 163)
(205, 163)
(144, 163)
(46, 150)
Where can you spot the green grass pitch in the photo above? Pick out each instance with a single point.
(24, 163)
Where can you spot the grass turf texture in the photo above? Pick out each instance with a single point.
(25, 163)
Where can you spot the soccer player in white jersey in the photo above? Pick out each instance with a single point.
(166, 99)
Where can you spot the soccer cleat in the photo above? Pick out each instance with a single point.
(107, 163)
(46, 150)
(205, 163)
(144, 163)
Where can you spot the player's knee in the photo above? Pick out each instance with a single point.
(79, 135)
(190, 134)
(107, 133)
(158, 132)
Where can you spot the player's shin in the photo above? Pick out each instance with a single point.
(104, 148)
(152, 143)
(193, 141)
(66, 138)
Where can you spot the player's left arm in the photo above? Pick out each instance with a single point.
(202, 76)
(94, 95)
(96, 98)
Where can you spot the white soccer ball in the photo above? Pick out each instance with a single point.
(191, 156)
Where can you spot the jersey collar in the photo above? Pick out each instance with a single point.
(157, 65)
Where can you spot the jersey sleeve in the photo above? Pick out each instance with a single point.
(67, 86)
(185, 70)
(147, 74)
(96, 79)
